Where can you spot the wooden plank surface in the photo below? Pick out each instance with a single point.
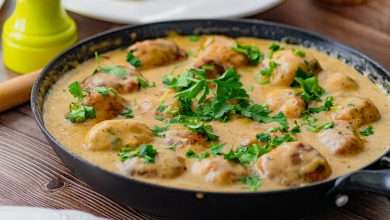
(32, 175)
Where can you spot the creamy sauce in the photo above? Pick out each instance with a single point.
(72, 135)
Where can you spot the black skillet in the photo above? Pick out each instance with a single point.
(179, 203)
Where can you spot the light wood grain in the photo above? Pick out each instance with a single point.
(31, 174)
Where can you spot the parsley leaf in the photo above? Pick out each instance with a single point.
(252, 182)
(157, 130)
(263, 137)
(194, 38)
(311, 90)
(145, 151)
(162, 108)
(76, 90)
(103, 90)
(191, 154)
(79, 113)
(368, 131)
(144, 83)
(296, 129)
(216, 149)
(324, 108)
(127, 113)
(309, 121)
(253, 53)
(268, 72)
(246, 154)
(116, 70)
(130, 58)
(274, 47)
(299, 53)
(200, 127)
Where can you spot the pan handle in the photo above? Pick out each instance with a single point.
(376, 181)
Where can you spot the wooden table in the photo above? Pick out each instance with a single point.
(32, 175)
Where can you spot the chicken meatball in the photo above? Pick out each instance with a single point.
(178, 134)
(213, 68)
(158, 52)
(341, 139)
(166, 105)
(123, 84)
(294, 163)
(167, 165)
(107, 106)
(286, 65)
(357, 111)
(218, 50)
(217, 170)
(284, 100)
(112, 134)
(334, 82)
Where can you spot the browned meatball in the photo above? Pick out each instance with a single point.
(112, 134)
(107, 106)
(334, 82)
(357, 111)
(294, 163)
(287, 63)
(218, 50)
(284, 100)
(158, 52)
(123, 84)
(341, 139)
(213, 68)
(217, 170)
(167, 165)
(178, 134)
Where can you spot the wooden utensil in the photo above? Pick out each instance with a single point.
(17, 90)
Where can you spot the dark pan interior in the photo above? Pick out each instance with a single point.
(176, 202)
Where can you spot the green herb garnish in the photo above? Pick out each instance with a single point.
(252, 182)
(253, 53)
(79, 113)
(130, 58)
(103, 90)
(145, 151)
(157, 131)
(368, 131)
(128, 113)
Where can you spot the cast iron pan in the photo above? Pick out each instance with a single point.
(179, 203)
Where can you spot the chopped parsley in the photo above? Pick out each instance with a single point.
(252, 182)
(191, 154)
(103, 90)
(130, 58)
(145, 151)
(311, 126)
(246, 154)
(276, 141)
(157, 131)
(311, 90)
(296, 129)
(162, 108)
(268, 72)
(172, 147)
(253, 53)
(274, 47)
(200, 127)
(324, 108)
(127, 113)
(216, 149)
(194, 38)
(115, 70)
(350, 105)
(368, 131)
(79, 113)
(299, 53)
(144, 83)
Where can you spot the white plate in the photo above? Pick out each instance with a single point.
(1, 3)
(32, 213)
(142, 11)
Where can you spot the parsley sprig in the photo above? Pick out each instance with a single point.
(253, 53)
(252, 182)
(79, 112)
(145, 151)
(368, 131)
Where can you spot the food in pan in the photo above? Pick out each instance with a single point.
(220, 114)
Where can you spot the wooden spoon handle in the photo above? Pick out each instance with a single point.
(17, 90)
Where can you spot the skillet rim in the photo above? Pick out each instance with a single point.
(107, 33)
